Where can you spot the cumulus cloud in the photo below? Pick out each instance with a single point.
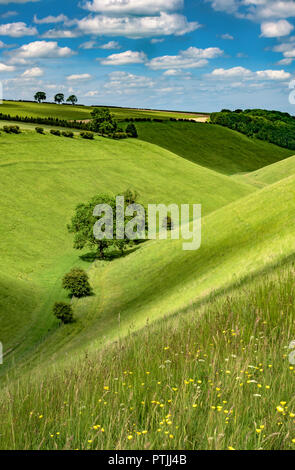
(243, 73)
(110, 45)
(17, 30)
(123, 82)
(137, 7)
(6, 68)
(33, 72)
(81, 77)
(125, 58)
(137, 27)
(256, 10)
(60, 34)
(190, 58)
(227, 37)
(50, 19)
(40, 50)
(276, 29)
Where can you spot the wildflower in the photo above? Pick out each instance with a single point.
(129, 437)
(171, 436)
(106, 388)
(280, 409)
(231, 448)
(258, 431)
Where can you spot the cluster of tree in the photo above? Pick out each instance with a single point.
(58, 133)
(46, 121)
(12, 129)
(59, 98)
(271, 126)
(104, 123)
(77, 283)
(83, 222)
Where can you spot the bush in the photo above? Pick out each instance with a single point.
(55, 132)
(87, 135)
(69, 134)
(76, 281)
(119, 135)
(131, 130)
(39, 130)
(12, 129)
(63, 312)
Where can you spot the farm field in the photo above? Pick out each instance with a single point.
(77, 112)
(184, 349)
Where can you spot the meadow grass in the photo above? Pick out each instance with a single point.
(217, 377)
(214, 147)
(43, 178)
(18, 108)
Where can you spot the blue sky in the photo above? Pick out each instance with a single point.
(198, 55)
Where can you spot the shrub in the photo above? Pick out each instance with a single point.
(39, 130)
(120, 135)
(87, 135)
(12, 129)
(131, 130)
(76, 281)
(55, 132)
(63, 312)
(69, 134)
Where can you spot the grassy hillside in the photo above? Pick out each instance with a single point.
(269, 174)
(161, 279)
(212, 146)
(81, 112)
(42, 179)
(215, 378)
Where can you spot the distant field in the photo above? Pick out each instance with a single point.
(212, 146)
(81, 112)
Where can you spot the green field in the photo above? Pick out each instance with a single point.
(69, 112)
(216, 314)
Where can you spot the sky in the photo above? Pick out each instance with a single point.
(190, 55)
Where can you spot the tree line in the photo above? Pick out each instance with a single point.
(271, 126)
(59, 98)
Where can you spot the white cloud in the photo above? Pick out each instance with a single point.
(110, 45)
(6, 2)
(40, 50)
(123, 82)
(276, 29)
(256, 10)
(137, 27)
(60, 33)
(227, 37)
(137, 7)
(92, 93)
(125, 58)
(33, 72)
(243, 73)
(191, 58)
(6, 68)
(17, 30)
(81, 77)
(51, 19)
(157, 41)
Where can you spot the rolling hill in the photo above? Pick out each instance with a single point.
(212, 146)
(47, 185)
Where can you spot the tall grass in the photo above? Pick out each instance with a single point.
(214, 378)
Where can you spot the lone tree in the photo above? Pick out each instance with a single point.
(83, 222)
(59, 98)
(103, 121)
(40, 96)
(77, 282)
(131, 130)
(72, 99)
(63, 312)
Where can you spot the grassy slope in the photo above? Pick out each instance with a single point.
(212, 146)
(269, 174)
(215, 378)
(42, 180)
(80, 112)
